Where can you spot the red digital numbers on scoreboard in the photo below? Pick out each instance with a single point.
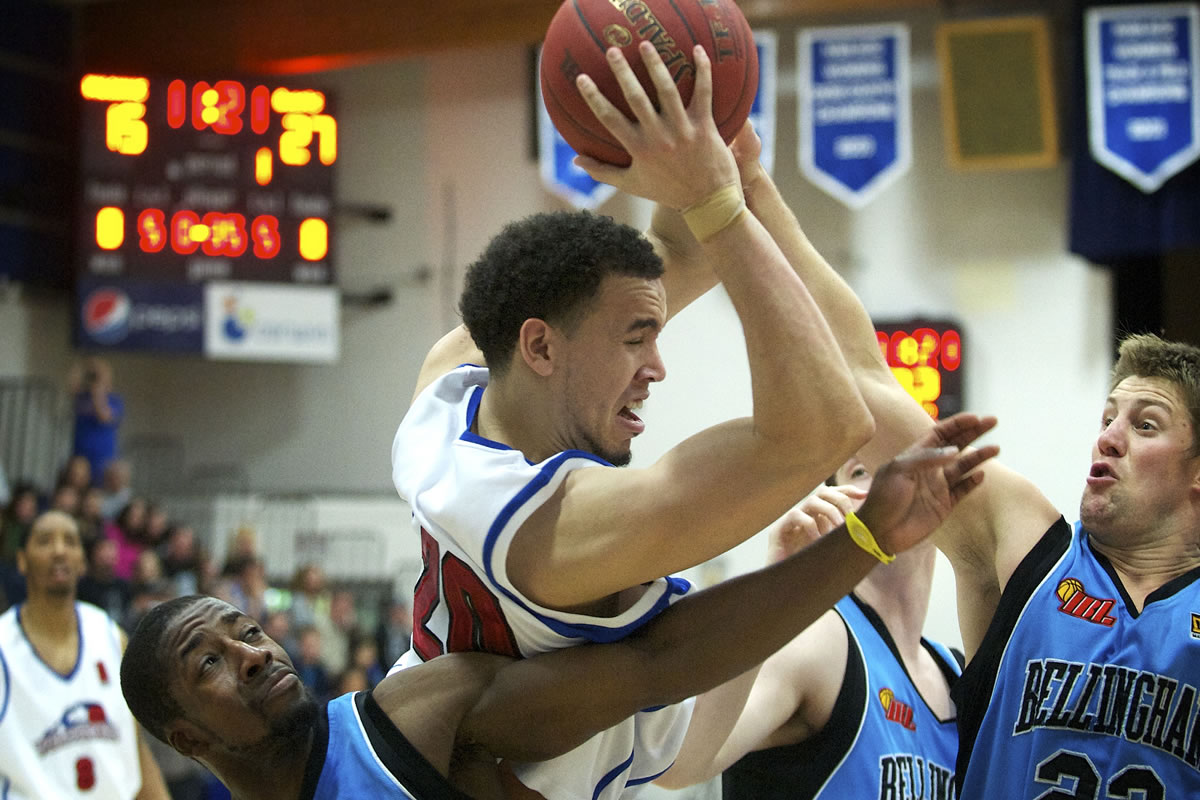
(205, 179)
(926, 358)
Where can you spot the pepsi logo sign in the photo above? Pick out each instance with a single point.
(106, 314)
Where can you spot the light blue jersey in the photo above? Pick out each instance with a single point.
(358, 753)
(882, 740)
(1074, 693)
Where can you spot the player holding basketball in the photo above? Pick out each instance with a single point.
(532, 541)
(203, 676)
(65, 730)
(1081, 644)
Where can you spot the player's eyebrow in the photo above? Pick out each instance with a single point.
(228, 618)
(640, 324)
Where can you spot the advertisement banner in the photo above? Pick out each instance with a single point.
(762, 113)
(246, 321)
(1142, 77)
(855, 115)
(139, 315)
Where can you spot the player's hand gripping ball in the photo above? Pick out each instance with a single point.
(582, 30)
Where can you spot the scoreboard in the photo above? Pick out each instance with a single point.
(926, 356)
(205, 180)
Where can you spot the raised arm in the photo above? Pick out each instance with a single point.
(545, 705)
(988, 535)
(609, 530)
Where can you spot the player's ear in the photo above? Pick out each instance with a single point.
(186, 738)
(535, 343)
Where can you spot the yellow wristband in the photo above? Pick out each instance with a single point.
(716, 212)
(862, 537)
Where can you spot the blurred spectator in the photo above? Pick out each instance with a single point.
(339, 630)
(308, 664)
(149, 587)
(15, 520)
(127, 531)
(100, 585)
(154, 532)
(91, 517)
(351, 679)
(244, 586)
(98, 414)
(17, 517)
(393, 634)
(364, 656)
(76, 472)
(117, 488)
(243, 544)
(310, 599)
(278, 626)
(65, 499)
(182, 559)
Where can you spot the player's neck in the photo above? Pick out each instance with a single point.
(256, 776)
(51, 615)
(1144, 568)
(513, 415)
(899, 593)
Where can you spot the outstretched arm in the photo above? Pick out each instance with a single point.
(986, 538)
(717, 634)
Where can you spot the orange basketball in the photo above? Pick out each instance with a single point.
(582, 30)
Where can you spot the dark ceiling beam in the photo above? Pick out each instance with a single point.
(292, 36)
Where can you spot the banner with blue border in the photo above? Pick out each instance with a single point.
(855, 110)
(1143, 70)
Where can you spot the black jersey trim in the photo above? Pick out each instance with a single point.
(801, 769)
(881, 630)
(419, 778)
(973, 691)
(1171, 587)
(316, 757)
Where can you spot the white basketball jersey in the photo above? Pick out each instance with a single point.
(65, 736)
(469, 496)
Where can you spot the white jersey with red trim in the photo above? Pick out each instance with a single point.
(469, 496)
(66, 736)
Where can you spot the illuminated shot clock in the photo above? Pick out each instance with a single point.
(926, 356)
(193, 181)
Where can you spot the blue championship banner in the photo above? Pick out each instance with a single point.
(1142, 76)
(762, 113)
(855, 115)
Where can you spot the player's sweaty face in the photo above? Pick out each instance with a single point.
(610, 361)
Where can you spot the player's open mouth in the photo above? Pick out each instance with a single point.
(627, 411)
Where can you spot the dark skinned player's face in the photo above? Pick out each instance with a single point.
(236, 686)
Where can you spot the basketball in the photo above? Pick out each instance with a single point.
(1067, 589)
(582, 30)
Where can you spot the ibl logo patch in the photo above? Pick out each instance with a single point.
(896, 710)
(1078, 603)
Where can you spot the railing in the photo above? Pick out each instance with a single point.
(35, 430)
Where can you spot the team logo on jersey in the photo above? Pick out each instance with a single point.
(1078, 603)
(1196, 626)
(84, 720)
(896, 710)
(102, 672)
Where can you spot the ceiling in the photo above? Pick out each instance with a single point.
(293, 36)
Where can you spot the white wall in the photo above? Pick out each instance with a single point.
(444, 141)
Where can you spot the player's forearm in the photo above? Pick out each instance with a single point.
(849, 321)
(804, 394)
(686, 274)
